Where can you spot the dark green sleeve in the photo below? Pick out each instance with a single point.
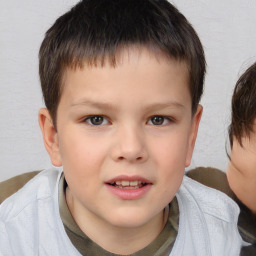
(12, 185)
(213, 178)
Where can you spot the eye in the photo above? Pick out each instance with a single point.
(159, 120)
(96, 120)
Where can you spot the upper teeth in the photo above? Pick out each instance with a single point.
(126, 183)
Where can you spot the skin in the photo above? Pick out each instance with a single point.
(127, 142)
(241, 172)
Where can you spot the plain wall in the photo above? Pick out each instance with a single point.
(227, 29)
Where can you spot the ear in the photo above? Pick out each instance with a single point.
(50, 136)
(193, 133)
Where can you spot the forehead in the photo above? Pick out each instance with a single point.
(134, 67)
(126, 53)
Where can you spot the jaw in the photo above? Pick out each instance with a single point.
(121, 231)
(243, 187)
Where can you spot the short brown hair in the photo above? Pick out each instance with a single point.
(243, 112)
(94, 30)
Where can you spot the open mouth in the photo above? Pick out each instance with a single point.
(129, 188)
(125, 184)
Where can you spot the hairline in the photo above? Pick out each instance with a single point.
(112, 60)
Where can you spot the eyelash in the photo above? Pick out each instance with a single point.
(165, 120)
(89, 119)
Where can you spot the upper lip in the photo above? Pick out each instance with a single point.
(129, 178)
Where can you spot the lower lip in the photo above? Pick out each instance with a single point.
(129, 194)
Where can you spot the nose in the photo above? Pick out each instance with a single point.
(130, 145)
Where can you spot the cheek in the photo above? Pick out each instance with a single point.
(171, 171)
(244, 159)
(81, 154)
(82, 165)
(171, 151)
(248, 165)
(170, 157)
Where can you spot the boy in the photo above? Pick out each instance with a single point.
(121, 82)
(240, 181)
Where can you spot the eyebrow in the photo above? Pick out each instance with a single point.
(164, 105)
(109, 106)
(95, 104)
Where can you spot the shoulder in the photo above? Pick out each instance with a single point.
(30, 222)
(208, 220)
(210, 201)
(12, 185)
(40, 187)
(215, 178)
(211, 177)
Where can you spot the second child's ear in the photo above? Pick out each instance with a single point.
(50, 136)
(193, 133)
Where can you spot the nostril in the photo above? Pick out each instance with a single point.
(121, 158)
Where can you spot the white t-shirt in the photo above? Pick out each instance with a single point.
(30, 222)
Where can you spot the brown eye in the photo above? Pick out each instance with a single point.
(157, 120)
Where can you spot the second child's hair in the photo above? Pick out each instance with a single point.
(243, 113)
(94, 31)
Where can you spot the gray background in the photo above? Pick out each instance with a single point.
(227, 29)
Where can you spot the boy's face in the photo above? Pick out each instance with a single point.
(124, 136)
(241, 173)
